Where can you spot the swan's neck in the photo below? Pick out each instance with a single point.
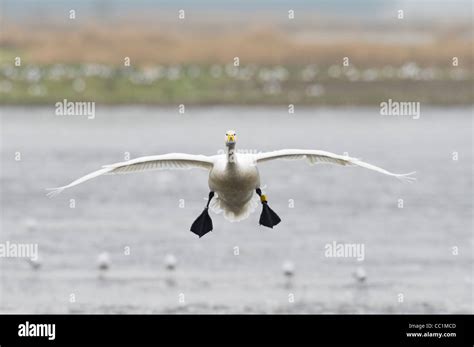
(231, 157)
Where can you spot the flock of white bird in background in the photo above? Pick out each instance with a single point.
(271, 77)
(170, 262)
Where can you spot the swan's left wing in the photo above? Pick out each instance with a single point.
(317, 157)
(165, 161)
(154, 162)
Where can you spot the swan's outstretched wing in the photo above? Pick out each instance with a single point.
(316, 157)
(154, 162)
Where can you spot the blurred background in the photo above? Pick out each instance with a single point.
(123, 244)
(191, 60)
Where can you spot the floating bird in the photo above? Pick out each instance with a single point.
(170, 262)
(170, 265)
(288, 269)
(31, 224)
(233, 178)
(35, 263)
(103, 261)
(360, 275)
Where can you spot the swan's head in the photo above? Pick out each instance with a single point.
(230, 138)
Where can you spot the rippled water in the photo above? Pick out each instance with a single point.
(407, 251)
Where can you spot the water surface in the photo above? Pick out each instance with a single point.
(408, 250)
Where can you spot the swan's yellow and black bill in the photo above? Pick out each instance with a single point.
(231, 136)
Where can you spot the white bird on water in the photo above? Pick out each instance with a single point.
(103, 261)
(288, 269)
(360, 275)
(35, 263)
(170, 262)
(31, 224)
(233, 178)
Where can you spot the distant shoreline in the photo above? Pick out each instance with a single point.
(252, 84)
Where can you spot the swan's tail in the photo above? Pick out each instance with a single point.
(407, 177)
(231, 214)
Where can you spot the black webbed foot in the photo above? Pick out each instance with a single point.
(203, 224)
(268, 217)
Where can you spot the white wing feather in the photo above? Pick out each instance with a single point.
(155, 162)
(317, 157)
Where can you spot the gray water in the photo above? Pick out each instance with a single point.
(408, 250)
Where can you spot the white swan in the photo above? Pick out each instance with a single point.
(233, 178)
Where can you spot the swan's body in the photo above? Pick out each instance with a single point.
(235, 183)
(234, 177)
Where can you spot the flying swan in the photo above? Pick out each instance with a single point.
(233, 178)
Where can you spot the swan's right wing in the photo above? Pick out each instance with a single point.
(317, 156)
(156, 162)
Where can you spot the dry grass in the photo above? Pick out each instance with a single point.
(265, 44)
